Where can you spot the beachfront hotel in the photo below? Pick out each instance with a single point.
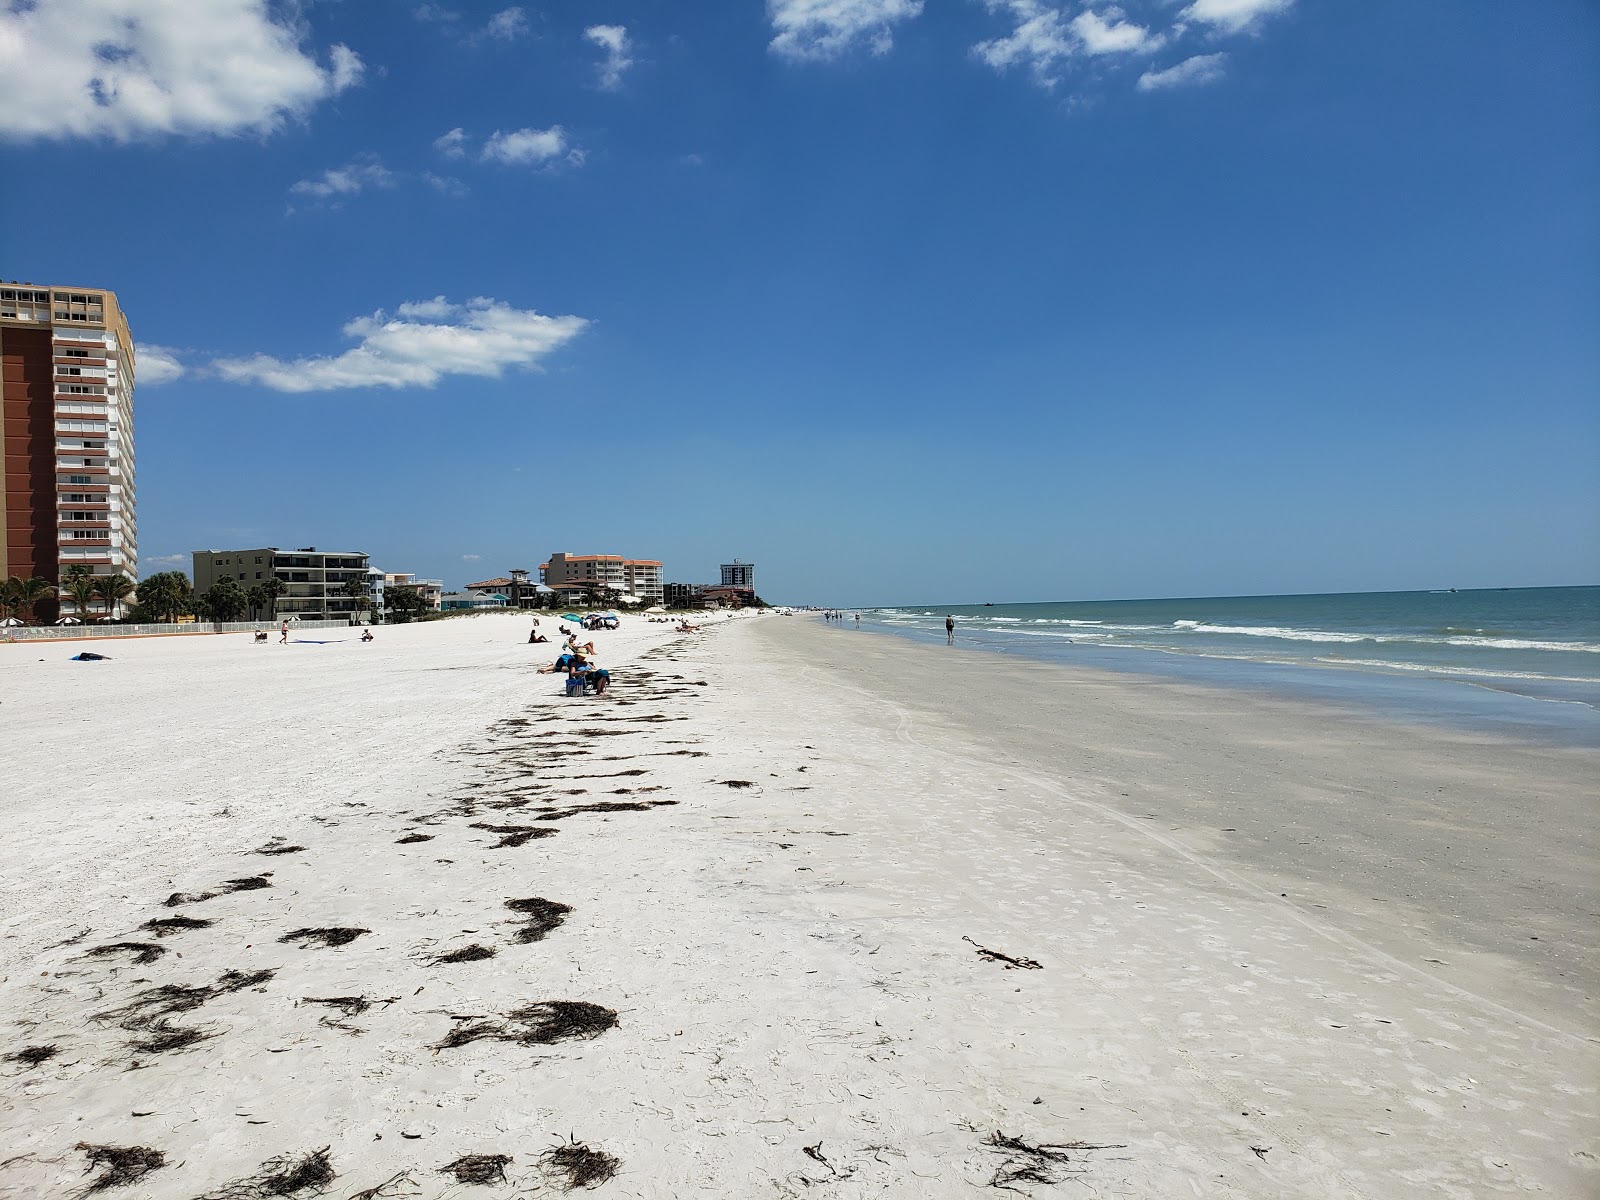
(66, 437)
(314, 581)
(740, 575)
(641, 577)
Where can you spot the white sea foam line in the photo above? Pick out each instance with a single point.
(1289, 633)
(1222, 874)
(1437, 669)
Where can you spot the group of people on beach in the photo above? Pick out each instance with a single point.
(833, 614)
(578, 660)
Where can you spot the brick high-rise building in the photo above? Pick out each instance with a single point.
(66, 430)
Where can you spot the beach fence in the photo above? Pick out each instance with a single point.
(53, 633)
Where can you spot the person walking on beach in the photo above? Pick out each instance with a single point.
(949, 629)
(858, 620)
(283, 633)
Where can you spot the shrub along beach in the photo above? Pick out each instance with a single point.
(790, 910)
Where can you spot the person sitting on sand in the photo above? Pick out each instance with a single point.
(538, 639)
(366, 636)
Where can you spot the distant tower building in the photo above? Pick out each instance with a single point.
(66, 434)
(739, 575)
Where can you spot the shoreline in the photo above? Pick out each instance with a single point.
(801, 841)
(1438, 697)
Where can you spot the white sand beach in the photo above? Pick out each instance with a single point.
(1262, 949)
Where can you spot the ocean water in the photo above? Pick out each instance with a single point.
(1531, 644)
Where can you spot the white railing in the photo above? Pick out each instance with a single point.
(47, 633)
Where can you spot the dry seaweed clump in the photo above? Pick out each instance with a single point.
(308, 1175)
(120, 1165)
(337, 935)
(412, 838)
(478, 1168)
(540, 916)
(161, 1035)
(278, 846)
(162, 926)
(1027, 1162)
(562, 1021)
(575, 1165)
(472, 953)
(144, 953)
(540, 1023)
(514, 835)
(33, 1056)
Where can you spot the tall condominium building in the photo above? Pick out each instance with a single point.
(67, 471)
(314, 581)
(640, 577)
(739, 575)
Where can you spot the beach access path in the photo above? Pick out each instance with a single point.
(716, 927)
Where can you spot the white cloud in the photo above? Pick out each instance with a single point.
(422, 343)
(1191, 72)
(452, 144)
(154, 365)
(1042, 38)
(613, 39)
(529, 147)
(348, 180)
(168, 560)
(436, 12)
(447, 185)
(471, 557)
(1111, 34)
(507, 25)
(1233, 16)
(124, 69)
(819, 30)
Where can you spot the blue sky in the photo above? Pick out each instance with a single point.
(947, 301)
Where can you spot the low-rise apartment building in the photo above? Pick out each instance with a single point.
(430, 590)
(641, 577)
(314, 582)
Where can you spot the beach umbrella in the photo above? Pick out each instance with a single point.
(10, 621)
(628, 599)
(655, 608)
(572, 617)
(69, 621)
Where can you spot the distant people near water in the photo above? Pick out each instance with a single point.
(949, 629)
(366, 636)
(283, 632)
(858, 620)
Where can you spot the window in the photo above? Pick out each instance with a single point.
(79, 479)
(69, 370)
(75, 354)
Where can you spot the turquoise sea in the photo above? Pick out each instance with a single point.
(1415, 650)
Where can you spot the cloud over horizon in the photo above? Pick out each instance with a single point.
(122, 70)
(423, 342)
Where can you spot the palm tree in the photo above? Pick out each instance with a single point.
(9, 601)
(113, 590)
(273, 587)
(28, 592)
(166, 594)
(80, 588)
(357, 590)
